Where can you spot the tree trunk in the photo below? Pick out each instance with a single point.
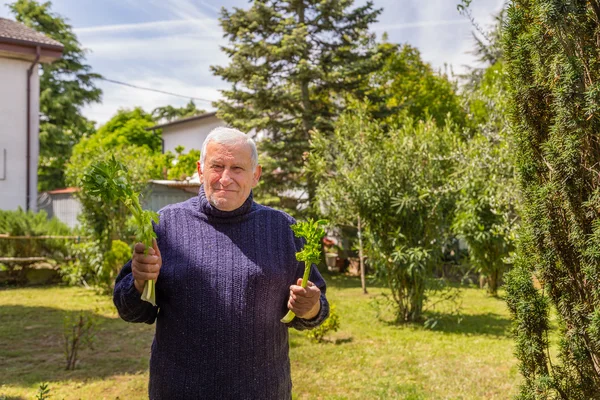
(361, 260)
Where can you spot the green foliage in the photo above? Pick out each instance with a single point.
(552, 62)
(398, 183)
(125, 138)
(66, 86)
(28, 223)
(170, 113)
(126, 128)
(43, 391)
(181, 165)
(406, 84)
(486, 184)
(312, 232)
(106, 182)
(331, 324)
(292, 64)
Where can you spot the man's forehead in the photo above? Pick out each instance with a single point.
(240, 152)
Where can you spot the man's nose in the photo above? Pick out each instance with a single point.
(225, 177)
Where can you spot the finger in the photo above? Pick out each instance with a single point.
(146, 259)
(297, 289)
(153, 268)
(139, 248)
(299, 282)
(145, 276)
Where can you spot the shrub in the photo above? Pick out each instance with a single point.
(28, 223)
(331, 324)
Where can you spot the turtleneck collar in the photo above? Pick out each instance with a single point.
(213, 212)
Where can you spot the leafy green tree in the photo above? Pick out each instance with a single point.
(181, 165)
(66, 86)
(397, 182)
(487, 193)
(292, 64)
(407, 84)
(552, 55)
(487, 190)
(170, 113)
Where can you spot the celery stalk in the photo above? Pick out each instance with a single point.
(107, 181)
(312, 231)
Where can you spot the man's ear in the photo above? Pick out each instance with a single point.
(200, 176)
(257, 174)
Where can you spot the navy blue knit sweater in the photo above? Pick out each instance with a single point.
(222, 290)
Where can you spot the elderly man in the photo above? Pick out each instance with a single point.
(226, 273)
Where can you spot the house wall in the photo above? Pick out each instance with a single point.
(190, 134)
(13, 134)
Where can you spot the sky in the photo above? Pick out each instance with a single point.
(169, 45)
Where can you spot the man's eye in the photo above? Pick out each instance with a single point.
(217, 167)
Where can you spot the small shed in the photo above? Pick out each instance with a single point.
(165, 192)
(62, 204)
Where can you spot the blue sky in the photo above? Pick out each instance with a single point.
(170, 44)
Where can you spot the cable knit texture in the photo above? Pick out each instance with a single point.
(222, 290)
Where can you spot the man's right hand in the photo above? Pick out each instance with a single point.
(145, 267)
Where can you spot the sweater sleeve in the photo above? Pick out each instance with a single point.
(129, 301)
(316, 278)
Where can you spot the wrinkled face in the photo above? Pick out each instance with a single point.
(228, 177)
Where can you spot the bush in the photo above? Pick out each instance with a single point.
(331, 324)
(93, 267)
(28, 223)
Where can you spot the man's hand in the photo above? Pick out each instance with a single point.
(305, 302)
(145, 267)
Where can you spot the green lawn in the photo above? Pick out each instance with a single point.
(365, 359)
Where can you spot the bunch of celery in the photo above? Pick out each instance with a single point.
(312, 231)
(107, 181)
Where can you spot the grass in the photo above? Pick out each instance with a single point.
(366, 359)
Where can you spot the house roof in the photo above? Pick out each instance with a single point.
(20, 41)
(63, 191)
(183, 120)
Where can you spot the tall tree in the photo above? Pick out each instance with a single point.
(66, 86)
(292, 63)
(552, 53)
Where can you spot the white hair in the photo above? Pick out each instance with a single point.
(229, 136)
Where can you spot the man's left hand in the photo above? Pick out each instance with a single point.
(305, 302)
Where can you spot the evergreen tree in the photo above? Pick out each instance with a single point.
(292, 64)
(66, 85)
(552, 53)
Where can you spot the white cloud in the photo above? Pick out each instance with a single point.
(152, 26)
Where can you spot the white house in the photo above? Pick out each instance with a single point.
(21, 51)
(188, 132)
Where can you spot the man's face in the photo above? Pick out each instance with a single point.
(228, 177)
